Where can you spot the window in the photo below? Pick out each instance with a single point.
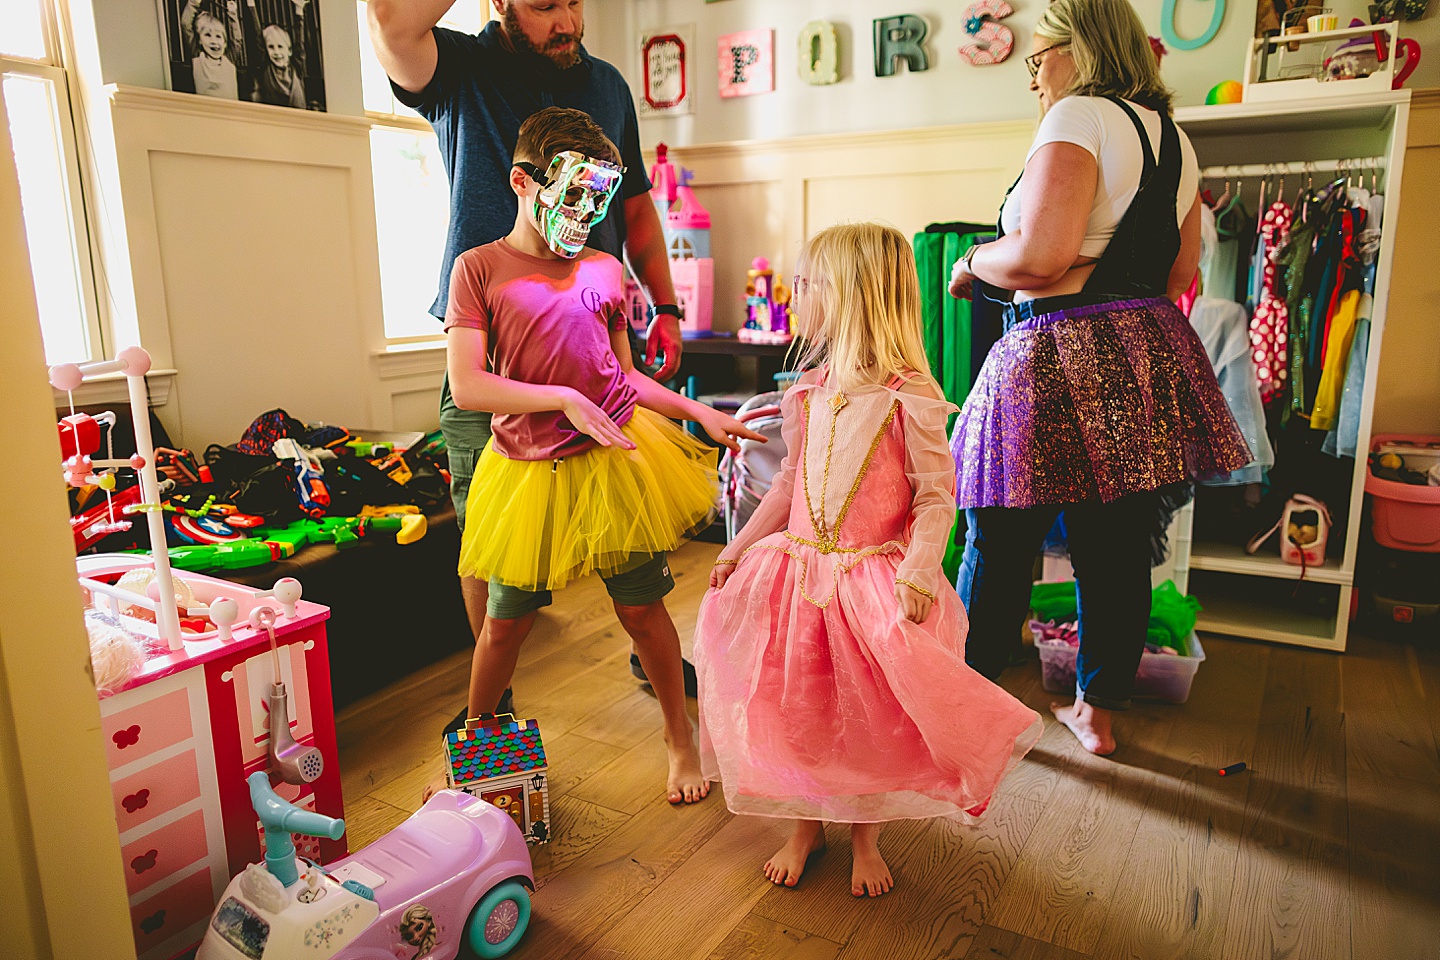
(42, 133)
(412, 193)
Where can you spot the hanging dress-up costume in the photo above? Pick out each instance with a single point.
(1104, 393)
(818, 700)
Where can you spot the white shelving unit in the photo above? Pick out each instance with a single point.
(1243, 595)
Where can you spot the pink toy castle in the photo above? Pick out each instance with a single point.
(687, 241)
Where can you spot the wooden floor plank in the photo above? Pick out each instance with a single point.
(632, 781)
(387, 746)
(578, 827)
(573, 758)
(757, 938)
(368, 819)
(1036, 776)
(1387, 732)
(953, 875)
(1065, 883)
(581, 903)
(627, 721)
(1392, 780)
(1424, 662)
(707, 897)
(1394, 869)
(1177, 883)
(1290, 896)
(992, 943)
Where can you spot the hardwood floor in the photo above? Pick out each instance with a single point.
(1327, 848)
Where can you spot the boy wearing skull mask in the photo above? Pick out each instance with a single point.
(585, 472)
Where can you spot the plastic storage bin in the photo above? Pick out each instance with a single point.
(1160, 677)
(1404, 516)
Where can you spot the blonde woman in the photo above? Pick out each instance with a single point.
(830, 649)
(1098, 406)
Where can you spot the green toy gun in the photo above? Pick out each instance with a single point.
(279, 543)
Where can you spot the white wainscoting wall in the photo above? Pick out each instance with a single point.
(250, 231)
(766, 197)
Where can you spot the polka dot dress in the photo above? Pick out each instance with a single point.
(1269, 327)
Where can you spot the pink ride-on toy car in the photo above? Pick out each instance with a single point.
(457, 871)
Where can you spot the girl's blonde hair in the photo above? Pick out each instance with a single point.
(862, 276)
(1111, 50)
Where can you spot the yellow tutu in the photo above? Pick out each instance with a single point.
(538, 524)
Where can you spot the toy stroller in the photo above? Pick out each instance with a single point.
(746, 477)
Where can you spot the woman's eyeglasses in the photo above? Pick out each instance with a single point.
(1032, 62)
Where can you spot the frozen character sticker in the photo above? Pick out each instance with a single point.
(418, 930)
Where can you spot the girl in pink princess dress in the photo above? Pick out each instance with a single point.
(831, 648)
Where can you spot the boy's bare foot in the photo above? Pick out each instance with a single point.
(789, 862)
(686, 783)
(869, 877)
(1090, 724)
(432, 788)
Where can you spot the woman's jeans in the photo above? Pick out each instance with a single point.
(1110, 548)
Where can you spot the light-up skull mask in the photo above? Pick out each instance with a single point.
(573, 197)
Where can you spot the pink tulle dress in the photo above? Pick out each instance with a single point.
(818, 700)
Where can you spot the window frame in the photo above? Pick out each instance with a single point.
(54, 71)
(409, 123)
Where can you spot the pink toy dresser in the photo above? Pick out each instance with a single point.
(182, 737)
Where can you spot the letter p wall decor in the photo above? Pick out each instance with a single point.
(747, 63)
(900, 38)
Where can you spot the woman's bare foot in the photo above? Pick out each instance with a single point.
(869, 877)
(686, 783)
(1090, 724)
(789, 863)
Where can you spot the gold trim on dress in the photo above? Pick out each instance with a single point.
(828, 540)
(916, 587)
(858, 556)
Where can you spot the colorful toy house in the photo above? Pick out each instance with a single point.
(503, 763)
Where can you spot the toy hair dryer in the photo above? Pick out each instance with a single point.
(280, 819)
(295, 762)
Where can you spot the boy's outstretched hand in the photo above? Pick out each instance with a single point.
(726, 430)
(594, 422)
(914, 605)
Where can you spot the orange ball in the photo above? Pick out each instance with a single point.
(1226, 91)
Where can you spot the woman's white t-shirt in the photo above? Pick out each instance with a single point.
(1103, 129)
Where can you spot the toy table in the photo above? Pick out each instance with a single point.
(181, 738)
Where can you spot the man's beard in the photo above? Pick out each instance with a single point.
(555, 49)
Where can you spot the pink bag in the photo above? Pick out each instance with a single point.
(1305, 523)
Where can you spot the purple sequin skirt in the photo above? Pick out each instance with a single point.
(1093, 402)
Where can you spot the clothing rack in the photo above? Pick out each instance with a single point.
(1255, 595)
(1245, 170)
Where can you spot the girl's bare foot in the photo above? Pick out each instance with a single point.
(789, 863)
(686, 783)
(869, 877)
(1090, 724)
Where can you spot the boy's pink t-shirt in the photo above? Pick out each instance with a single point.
(548, 321)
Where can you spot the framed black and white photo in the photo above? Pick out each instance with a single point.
(265, 51)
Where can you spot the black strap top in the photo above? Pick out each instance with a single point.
(1137, 261)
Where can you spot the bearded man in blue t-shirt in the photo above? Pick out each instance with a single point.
(476, 90)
